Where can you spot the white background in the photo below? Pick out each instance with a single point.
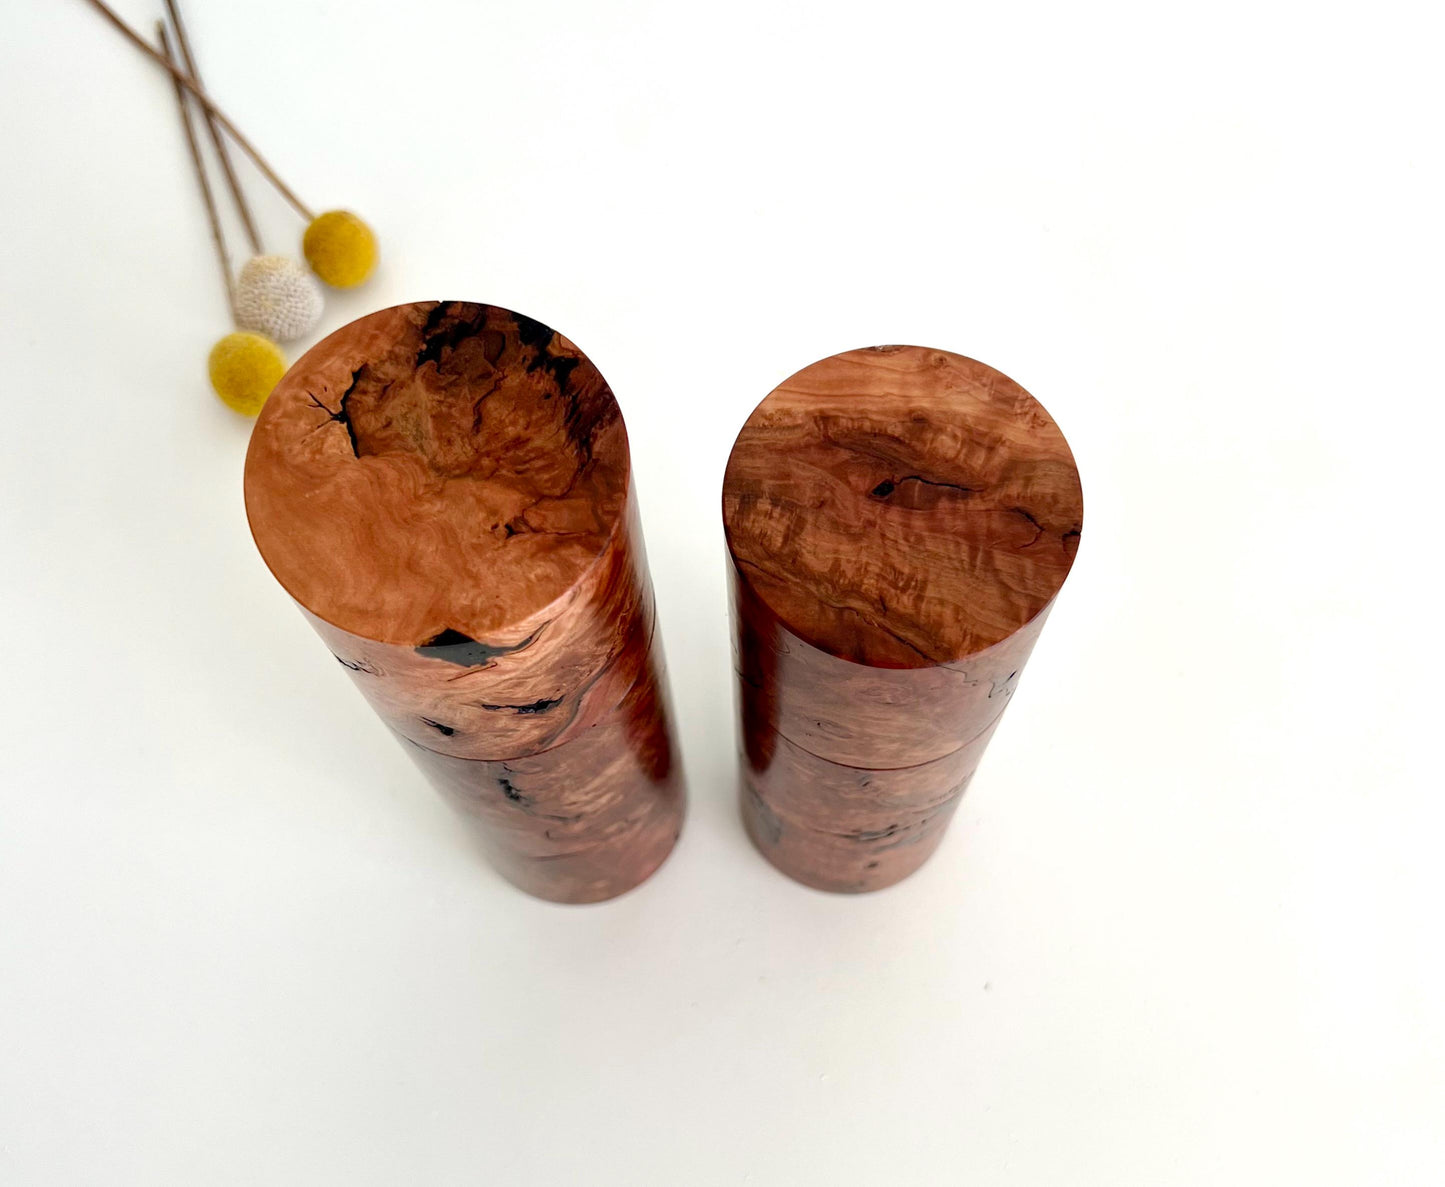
(1186, 927)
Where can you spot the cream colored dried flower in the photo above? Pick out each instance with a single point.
(277, 297)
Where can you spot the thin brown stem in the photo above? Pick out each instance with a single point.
(223, 153)
(217, 237)
(204, 100)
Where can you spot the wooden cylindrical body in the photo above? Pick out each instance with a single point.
(445, 490)
(899, 521)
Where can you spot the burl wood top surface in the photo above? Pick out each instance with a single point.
(902, 507)
(436, 470)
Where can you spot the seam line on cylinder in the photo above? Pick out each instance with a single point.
(907, 766)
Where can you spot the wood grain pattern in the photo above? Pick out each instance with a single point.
(583, 821)
(445, 490)
(844, 828)
(434, 469)
(902, 507)
(520, 690)
(863, 716)
(899, 521)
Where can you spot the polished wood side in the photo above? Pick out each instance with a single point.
(582, 821)
(526, 689)
(844, 828)
(445, 490)
(863, 716)
(899, 521)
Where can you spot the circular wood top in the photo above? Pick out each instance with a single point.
(435, 471)
(902, 507)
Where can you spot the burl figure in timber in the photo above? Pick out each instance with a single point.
(445, 490)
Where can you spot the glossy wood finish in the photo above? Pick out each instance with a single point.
(445, 490)
(582, 821)
(436, 468)
(844, 828)
(899, 521)
(862, 716)
(522, 690)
